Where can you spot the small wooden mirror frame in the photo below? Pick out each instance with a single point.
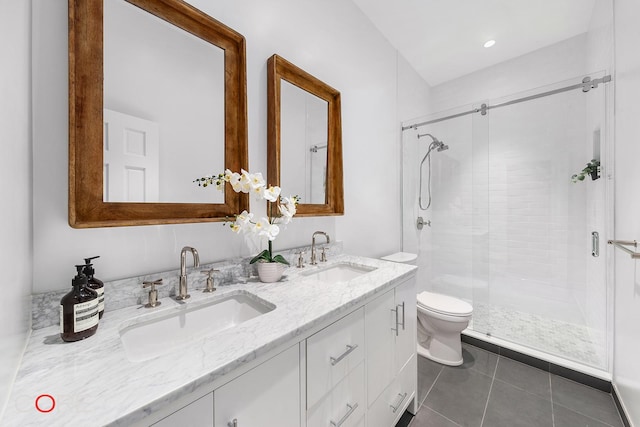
(279, 69)
(86, 206)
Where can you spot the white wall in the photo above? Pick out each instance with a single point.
(331, 40)
(15, 175)
(626, 369)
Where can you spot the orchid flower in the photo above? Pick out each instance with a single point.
(245, 182)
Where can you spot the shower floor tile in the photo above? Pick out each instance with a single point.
(572, 341)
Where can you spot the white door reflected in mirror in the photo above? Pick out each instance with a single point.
(304, 127)
(155, 72)
(131, 158)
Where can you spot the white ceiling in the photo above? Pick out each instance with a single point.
(443, 39)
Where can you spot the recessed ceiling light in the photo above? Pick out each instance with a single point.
(489, 43)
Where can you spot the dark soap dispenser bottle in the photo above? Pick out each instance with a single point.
(95, 283)
(79, 310)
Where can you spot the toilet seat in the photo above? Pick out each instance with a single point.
(444, 304)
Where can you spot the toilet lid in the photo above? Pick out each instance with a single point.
(444, 304)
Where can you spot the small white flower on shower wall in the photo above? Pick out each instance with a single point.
(255, 184)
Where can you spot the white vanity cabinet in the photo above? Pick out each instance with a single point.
(358, 370)
(390, 325)
(196, 414)
(266, 396)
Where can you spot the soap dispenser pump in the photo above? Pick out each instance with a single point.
(79, 310)
(95, 283)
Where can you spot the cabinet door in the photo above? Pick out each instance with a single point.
(380, 319)
(266, 396)
(407, 318)
(196, 414)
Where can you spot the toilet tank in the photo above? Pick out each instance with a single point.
(402, 257)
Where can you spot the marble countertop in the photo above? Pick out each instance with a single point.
(94, 383)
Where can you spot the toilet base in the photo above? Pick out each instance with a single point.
(444, 355)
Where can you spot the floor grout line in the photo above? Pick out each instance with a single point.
(431, 388)
(493, 378)
(448, 419)
(588, 416)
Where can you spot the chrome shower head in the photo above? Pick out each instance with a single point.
(434, 140)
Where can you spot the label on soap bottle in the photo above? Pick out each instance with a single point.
(100, 292)
(85, 315)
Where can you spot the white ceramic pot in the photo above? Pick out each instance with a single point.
(270, 271)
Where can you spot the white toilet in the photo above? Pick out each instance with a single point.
(441, 318)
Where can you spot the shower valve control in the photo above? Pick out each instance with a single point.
(421, 223)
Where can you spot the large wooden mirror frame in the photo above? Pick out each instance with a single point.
(86, 205)
(279, 69)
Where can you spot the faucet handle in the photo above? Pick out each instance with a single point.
(152, 283)
(323, 255)
(209, 274)
(153, 293)
(300, 259)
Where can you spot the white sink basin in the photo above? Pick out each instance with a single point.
(338, 272)
(159, 333)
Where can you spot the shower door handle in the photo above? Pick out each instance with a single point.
(595, 244)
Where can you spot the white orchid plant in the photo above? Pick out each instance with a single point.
(245, 182)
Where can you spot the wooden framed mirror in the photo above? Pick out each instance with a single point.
(91, 204)
(304, 140)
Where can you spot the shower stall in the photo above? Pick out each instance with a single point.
(490, 207)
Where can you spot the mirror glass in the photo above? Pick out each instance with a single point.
(304, 138)
(303, 128)
(163, 109)
(157, 98)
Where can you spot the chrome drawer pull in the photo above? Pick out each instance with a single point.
(350, 348)
(402, 398)
(347, 415)
(395, 310)
(402, 305)
(233, 423)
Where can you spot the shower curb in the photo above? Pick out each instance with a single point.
(579, 377)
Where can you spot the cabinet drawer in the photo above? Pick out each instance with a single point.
(332, 353)
(345, 403)
(390, 405)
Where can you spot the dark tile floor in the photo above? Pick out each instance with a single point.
(493, 391)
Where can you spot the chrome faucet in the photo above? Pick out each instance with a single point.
(313, 246)
(182, 291)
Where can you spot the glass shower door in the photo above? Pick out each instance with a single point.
(546, 290)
